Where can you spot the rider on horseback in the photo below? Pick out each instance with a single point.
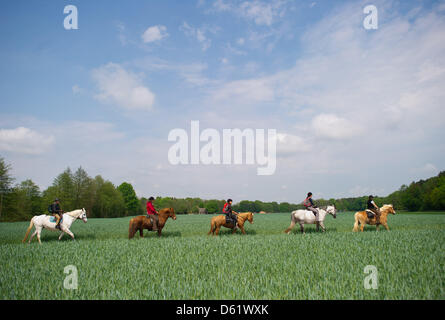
(374, 208)
(230, 215)
(152, 214)
(309, 204)
(56, 211)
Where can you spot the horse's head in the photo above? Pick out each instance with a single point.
(83, 215)
(331, 209)
(250, 217)
(388, 208)
(171, 213)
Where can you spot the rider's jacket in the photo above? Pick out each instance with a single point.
(55, 208)
(150, 208)
(227, 208)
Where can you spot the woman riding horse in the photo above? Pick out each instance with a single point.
(361, 218)
(220, 221)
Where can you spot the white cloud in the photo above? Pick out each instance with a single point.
(199, 34)
(334, 127)
(245, 92)
(121, 33)
(154, 33)
(192, 73)
(260, 12)
(24, 140)
(288, 144)
(121, 87)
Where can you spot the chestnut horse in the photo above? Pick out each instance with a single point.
(144, 222)
(362, 218)
(220, 221)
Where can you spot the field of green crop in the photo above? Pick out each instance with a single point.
(265, 264)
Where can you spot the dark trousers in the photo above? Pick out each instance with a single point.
(233, 218)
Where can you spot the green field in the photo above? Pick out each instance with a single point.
(265, 264)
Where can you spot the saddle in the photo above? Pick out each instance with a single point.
(53, 219)
(230, 220)
(370, 214)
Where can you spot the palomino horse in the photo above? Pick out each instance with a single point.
(49, 222)
(220, 221)
(305, 216)
(144, 222)
(362, 218)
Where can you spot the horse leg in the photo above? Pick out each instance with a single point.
(217, 230)
(70, 233)
(32, 236)
(38, 235)
(242, 229)
(302, 228)
(386, 226)
(141, 232)
(159, 231)
(362, 227)
(61, 235)
(323, 228)
(234, 230)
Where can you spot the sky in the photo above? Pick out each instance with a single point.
(357, 111)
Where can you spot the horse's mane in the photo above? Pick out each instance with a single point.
(166, 210)
(73, 213)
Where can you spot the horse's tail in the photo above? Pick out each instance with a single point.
(355, 229)
(31, 224)
(131, 229)
(292, 223)
(212, 227)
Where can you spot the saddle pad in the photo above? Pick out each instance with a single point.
(370, 214)
(53, 219)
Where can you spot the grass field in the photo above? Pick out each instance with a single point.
(265, 264)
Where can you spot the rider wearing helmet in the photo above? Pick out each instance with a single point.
(230, 214)
(56, 211)
(152, 214)
(309, 204)
(374, 208)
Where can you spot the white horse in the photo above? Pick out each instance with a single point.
(49, 222)
(306, 216)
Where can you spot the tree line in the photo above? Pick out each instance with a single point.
(102, 199)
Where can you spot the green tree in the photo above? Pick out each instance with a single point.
(5, 181)
(65, 191)
(130, 198)
(83, 190)
(108, 202)
(212, 206)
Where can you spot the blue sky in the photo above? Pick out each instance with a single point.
(358, 111)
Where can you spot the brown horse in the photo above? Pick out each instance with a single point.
(144, 222)
(220, 221)
(362, 218)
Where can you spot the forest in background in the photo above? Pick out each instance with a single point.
(102, 199)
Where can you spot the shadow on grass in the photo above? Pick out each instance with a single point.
(228, 232)
(154, 234)
(313, 230)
